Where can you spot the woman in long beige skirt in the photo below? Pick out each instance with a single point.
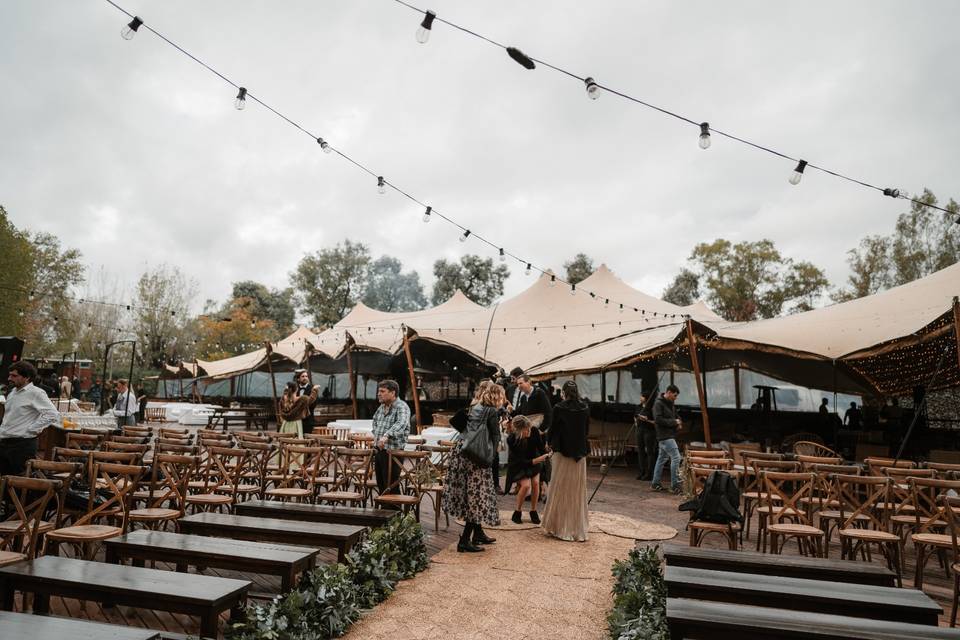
(565, 516)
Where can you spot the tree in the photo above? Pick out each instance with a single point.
(273, 305)
(329, 282)
(579, 268)
(55, 272)
(390, 290)
(16, 269)
(751, 280)
(475, 276)
(684, 290)
(228, 333)
(924, 240)
(161, 312)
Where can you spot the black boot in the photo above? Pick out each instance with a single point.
(464, 545)
(534, 517)
(516, 517)
(479, 537)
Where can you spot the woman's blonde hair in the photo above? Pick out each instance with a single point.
(478, 392)
(493, 395)
(521, 425)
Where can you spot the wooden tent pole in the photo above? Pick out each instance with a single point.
(413, 377)
(179, 379)
(353, 379)
(273, 384)
(956, 325)
(692, 346)
(736, 385)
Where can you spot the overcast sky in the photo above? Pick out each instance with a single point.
(135, 155)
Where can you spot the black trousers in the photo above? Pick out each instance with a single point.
(307, 423)
(381, 464)
(14, 453)
(647, 450)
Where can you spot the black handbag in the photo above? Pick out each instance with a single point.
(477, 447)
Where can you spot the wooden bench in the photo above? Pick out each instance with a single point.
(184, 551)
(779, 565)
(339, 536)
(23, 625)
(196, 595)
(315, 513)
(248, 417)
(704, 620)
(794, 594)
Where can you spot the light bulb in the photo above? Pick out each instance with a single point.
(30, 297)
(798, 172)
(20, 312)
(381, 185)
(573, 289)
(253, 324)
(593, 89)
(606, 303)
(426, 214)
(241, 100)
(503, 256)
(553, 280)
(704, 135)
(130, 30)
(423, 33)
(466, 234)
(621, 307)
(324, 145)
(527, 271)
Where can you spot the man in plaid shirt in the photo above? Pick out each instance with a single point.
(391, 426)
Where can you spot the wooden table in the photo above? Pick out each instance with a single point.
(322, 534)
(246, 416)
(184, 550)
(17, 626)
(197, 595)
(315, 512)
(704, 620)
(838, 598)
(778, 565)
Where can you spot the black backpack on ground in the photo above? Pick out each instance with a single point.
(718, 502)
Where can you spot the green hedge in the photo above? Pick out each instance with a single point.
(330, 598)
(639, 598)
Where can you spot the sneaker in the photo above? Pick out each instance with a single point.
(677, 491)
(516, 517)
(658, 487)
(534, 517)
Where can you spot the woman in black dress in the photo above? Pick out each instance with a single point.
(526, 454)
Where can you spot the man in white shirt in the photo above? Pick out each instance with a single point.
(126, 407)
(28, 411)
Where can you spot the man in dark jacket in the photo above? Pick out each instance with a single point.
(667, 424)
(304, 387)
(532, 400)
(647, 447)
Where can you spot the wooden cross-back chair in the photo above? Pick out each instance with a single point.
(84, 441)
(183, 442)
(176, 449)
(109, 502)
(902, 506)
(128, 439)
(822, 501)
(807, 462)
(170, 432)
(710, 463)
(737, 451)
(69, 474)
(875, 465)
(121, 447)
(167, 490)
(950, 506)
(693, 452)
(752, 484)
(218, 477)
(700, 529)
(302, 470)
(351, 470)
(862, 524)
(405, 491)
(254, 477)
(137, 432)
(930, 522)
(362, 440)
(814, 449)
(943, 469)
(29, 498)
(253, 436)
(438, 461)
(789, 517)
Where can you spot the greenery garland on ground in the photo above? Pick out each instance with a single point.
(330, 598)
(639, 597)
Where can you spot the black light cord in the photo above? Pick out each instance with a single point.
(895, 193)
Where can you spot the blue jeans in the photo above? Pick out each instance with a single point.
(668, 449)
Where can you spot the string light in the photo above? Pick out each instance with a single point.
(130, 30)
(798, 172)
(526, 271)
(520, 58)
(241, 102)
(704, 135)
(892, 193)
(503, 256)
(423, 33)
(381, 185)
(466, 234)
(324, 145)
(553, 279)
(593, 89)
(426, 214)
(573, 289)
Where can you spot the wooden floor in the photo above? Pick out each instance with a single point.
(620, 493)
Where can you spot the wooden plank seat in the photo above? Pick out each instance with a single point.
(785, 566)
(796, 594)
(240, 555)
(339, 536)
(196, 595)
(704, 620)
(315, 513)
(25, 625)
